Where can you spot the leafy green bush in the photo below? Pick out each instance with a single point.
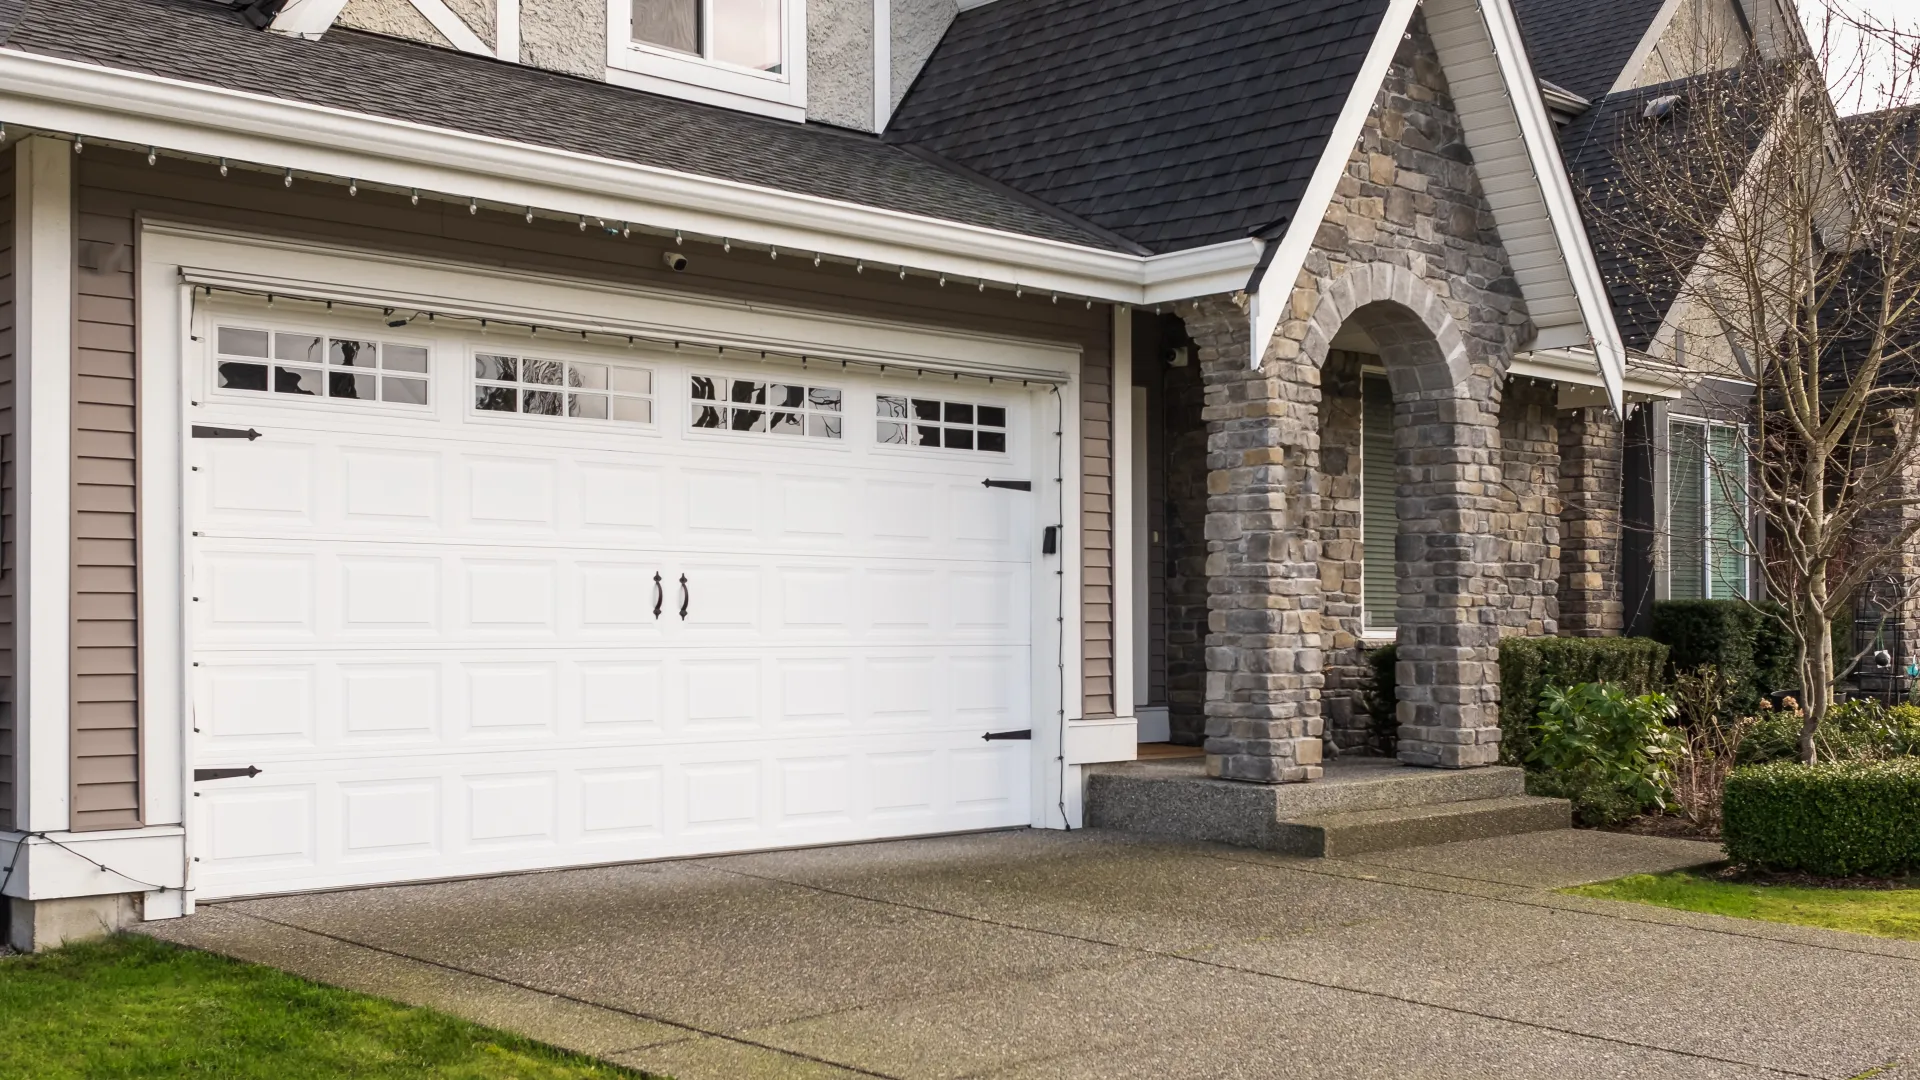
(1862, 730)
(1836, 819)
(1528, 666)
(1746, 642)
(1613, 755)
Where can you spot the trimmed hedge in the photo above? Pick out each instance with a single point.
(1529, 665)
(1836, 820)
(1745, 641)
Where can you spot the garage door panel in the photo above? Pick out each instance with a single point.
(434, 632)
(510, 494)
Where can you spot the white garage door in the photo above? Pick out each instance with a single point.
(474, 604)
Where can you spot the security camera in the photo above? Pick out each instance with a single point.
(674, 260)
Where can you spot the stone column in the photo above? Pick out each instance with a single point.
(1451, 559)
(1263, 642)
(1591, 604)
(1530, 471)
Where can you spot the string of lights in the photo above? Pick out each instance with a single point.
(527, 213)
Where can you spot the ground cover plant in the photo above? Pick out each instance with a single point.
(1611, 754)
(131, 1007)
(1882, 912)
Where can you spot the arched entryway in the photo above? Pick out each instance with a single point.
(1281, 547)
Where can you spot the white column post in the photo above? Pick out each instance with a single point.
(43, 247)
(1123, 511)
(882, 63)
(506, 30)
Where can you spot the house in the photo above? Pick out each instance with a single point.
(449, 438)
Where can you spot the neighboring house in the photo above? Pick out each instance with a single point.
(631, 432)
(1662, 521)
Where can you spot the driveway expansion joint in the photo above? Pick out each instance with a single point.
(1297, 980)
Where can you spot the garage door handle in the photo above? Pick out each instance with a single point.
(686, 597)
(249, 772)
(659, 595)
(202, 431)
(1010, 485)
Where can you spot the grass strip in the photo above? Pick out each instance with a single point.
(137, 1008)
(1888, 913)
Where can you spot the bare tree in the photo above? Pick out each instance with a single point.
(1789, 240)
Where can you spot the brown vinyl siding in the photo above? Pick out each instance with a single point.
(117, 189)
(1096, 533)
(106, 660)
(9, 518)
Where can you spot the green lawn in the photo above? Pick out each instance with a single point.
(1893, 913)
(134, 1007)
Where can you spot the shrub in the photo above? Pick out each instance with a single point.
(1380, 698)
(1835, 819)
(1860, 730)
(1745, 642)
(1613, 755)
(1528, 666)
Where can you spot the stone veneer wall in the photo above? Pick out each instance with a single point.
(1530, 470)
(1408, 251)
(1342, 549)
(1591, 473)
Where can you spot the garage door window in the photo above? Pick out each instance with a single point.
(723, 404)
(562, 388)
(318, 366)
(955, 425)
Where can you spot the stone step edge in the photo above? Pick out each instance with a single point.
(1360, 831)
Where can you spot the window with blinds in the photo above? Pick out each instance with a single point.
(1379, 509)
(1707, 511)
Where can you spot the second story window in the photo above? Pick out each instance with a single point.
(745, 54)
(740, 33)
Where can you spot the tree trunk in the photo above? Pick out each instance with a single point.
(1817, 675)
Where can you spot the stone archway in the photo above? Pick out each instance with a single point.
(1449, 550)
(1267, 640)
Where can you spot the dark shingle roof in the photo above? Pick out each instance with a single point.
(204, 42)
(1583, 45)
(1640, 286)
(1174, 123)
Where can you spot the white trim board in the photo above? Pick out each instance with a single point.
(141, 110)
(43, 244)
(451, 26)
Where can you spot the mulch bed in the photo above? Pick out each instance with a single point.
(1736, 875)
(1671, 826)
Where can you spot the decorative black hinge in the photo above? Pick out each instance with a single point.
(1007, 736)
(224, 774)
(1010, 485)
(202, 431)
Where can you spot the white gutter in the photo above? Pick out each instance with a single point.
(142, 110)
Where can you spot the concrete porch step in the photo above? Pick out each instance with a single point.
(1361, 804)
(1361, 831)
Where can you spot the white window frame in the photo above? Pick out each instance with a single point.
(241, 319)
(665, 71)
(1709, 484)
(471, 381)
(776, 438)
(1005, 431)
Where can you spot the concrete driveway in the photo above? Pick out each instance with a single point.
(1040, 954)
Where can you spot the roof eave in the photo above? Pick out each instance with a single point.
(135, 108)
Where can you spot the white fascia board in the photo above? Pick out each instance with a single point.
(1202, 271)
(139, 109)
(1270, 302)
(1577, 367)
(1563, 208)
